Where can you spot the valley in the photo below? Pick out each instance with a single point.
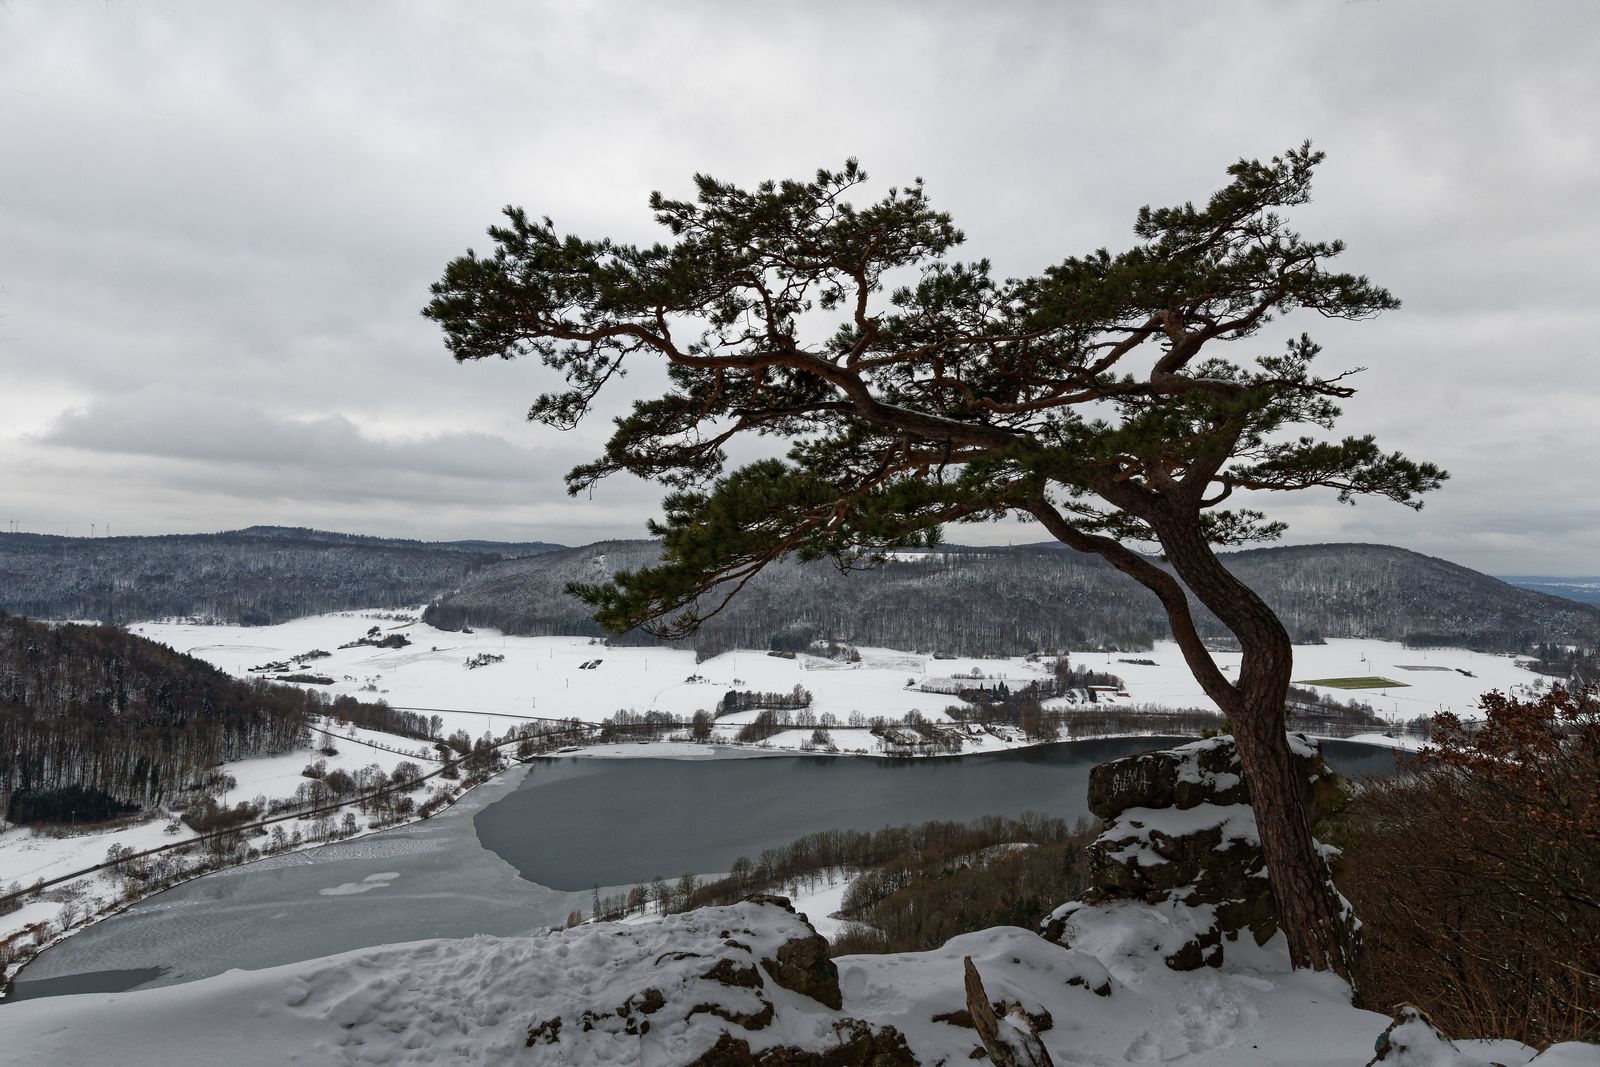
(594, 790)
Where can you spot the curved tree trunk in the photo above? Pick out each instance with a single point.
(1309, 911)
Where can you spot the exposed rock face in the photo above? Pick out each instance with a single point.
(1179, 831)
(802, 963)
(1204, 772)
(859, 1046)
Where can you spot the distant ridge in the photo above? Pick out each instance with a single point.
(257, 576)
(1582, 590)
(301, 533)
(1007, 600)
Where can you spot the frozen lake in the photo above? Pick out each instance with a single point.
(518, 854)
(428, 879)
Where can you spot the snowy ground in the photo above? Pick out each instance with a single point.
(476, 1000)
(820, 897)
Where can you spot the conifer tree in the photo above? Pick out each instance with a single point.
(916, 390)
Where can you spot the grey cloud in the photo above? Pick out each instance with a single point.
(217, 224)
(225, 449)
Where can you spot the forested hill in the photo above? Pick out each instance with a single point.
(1011, 600)
(256, 576)
(124, 719)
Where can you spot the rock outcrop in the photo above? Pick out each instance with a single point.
(744, 986)
(1179, 833)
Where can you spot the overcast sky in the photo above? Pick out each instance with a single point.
(218, 223)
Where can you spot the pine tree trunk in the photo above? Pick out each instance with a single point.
(1309, 912)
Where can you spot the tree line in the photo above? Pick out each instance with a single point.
(259, 576)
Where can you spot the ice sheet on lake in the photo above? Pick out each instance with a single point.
(215, 923)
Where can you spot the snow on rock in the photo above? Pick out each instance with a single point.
(1180, 833)
(751, 977)
(1412, 1040)
(1128, 931)
(1111, 1000)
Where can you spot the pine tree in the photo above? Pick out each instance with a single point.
(1091, 398)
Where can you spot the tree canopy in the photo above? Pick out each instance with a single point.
(1108, 397)
(918, 390)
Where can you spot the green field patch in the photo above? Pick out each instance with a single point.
(1370, 681)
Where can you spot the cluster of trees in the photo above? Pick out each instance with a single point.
(1039, 723)
(883, 858)
(629, 725)
(67, 804)
(658, 895)
(94, 720)
(543, 736)
(376, 638)
(924, 900)
(111, 713)
(1579, 667)
(745, 700)
(1328, 716)
(379, 716)
(766, 724)
(379, 793)
(917, 735)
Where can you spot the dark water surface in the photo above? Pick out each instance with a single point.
(576, 823)
(87, 982)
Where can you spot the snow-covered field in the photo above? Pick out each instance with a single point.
(546, 676)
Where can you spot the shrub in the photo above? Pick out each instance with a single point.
(1477, 876)
(211, 817)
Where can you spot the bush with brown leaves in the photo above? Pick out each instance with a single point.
(1477, 874)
